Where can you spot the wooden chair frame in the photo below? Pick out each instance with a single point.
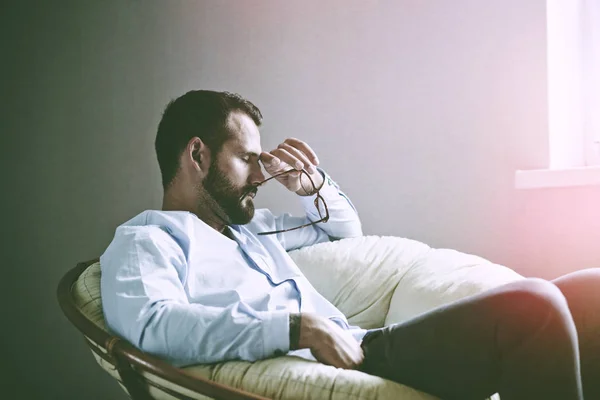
(130, 361)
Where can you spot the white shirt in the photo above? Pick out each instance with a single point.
(176, 288)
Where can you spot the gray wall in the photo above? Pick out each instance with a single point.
(422, 111)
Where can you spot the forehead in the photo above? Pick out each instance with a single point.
(244, 133)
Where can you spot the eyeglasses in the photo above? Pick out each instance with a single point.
(319, 202)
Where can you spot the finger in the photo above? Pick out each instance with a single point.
(360, 357)
(354, 352)
(288, 158)
(299, 155)
(305, 148)
(349, 362)
(275, 167)
(294, 175)
(268, 159)
(272, 164)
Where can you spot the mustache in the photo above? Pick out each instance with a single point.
(251, 190)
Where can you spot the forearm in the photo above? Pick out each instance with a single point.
(189, 333)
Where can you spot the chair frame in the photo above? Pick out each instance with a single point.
(129, 361)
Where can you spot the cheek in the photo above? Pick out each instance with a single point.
(237, 174)
(240, 174)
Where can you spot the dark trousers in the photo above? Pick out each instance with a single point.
(532, 339)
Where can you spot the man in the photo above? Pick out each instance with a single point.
(208, 279)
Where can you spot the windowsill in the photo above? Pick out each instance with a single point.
(551, 178)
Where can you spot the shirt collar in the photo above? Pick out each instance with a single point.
(238, 234)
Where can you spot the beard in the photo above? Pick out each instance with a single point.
(233, 202)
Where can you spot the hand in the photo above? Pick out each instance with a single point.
(329, 343)
(293, 153)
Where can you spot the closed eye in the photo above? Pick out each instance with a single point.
(250, 158)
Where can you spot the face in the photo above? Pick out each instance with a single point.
(234, 173)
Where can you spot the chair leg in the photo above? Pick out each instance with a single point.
(132, 381)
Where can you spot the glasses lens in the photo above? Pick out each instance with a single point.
(306, 183)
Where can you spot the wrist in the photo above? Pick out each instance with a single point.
(295, 328)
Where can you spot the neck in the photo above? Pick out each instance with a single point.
(175, 201)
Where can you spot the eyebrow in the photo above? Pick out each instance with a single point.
(250, 153)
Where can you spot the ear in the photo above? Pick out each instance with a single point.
(197, 154)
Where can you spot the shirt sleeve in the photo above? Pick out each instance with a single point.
(142, 285)
(343, 219)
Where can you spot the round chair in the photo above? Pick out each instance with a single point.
(375, 281)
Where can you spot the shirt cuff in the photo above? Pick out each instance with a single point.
(276, 333)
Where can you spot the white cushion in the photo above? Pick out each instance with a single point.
(376, 281)
(359, 275)
(442, 276)
(296, 378)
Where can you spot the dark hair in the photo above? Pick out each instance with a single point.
(201, 113)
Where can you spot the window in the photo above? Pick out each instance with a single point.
(573, 40)
(591, 76)
(574, 82)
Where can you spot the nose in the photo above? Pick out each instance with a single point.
(257, 175)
